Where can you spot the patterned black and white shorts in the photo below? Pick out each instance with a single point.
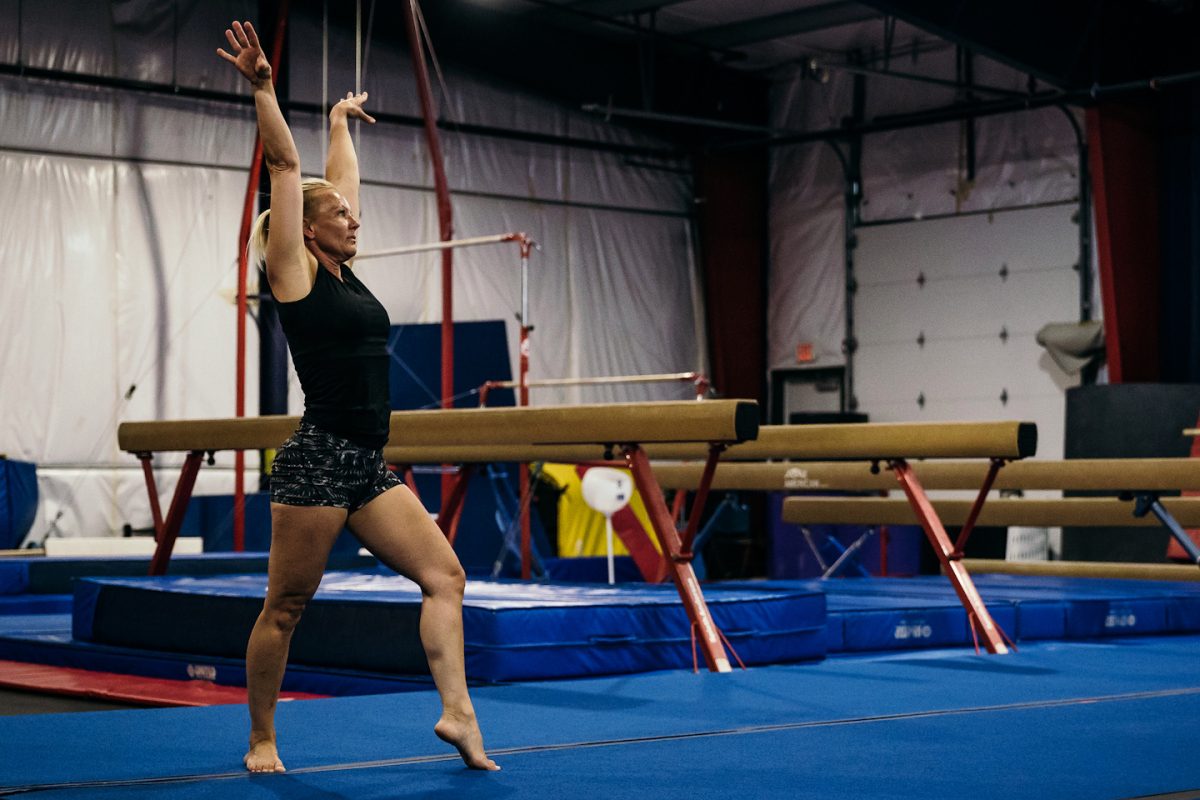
(316, 468)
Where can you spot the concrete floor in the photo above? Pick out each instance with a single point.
(14, 703)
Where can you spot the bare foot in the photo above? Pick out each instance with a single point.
(463, 733)
(263, 757)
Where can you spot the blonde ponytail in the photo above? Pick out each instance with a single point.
(256, 248)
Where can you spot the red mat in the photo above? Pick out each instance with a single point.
(133, 689)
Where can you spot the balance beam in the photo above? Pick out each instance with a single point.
(878, 441)
(1087, 569)
(715, 424)
(1129, 474)
(893, 445)
(1070, 511)
(727, 421)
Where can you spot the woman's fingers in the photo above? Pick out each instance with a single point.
(252, 37)
(228, 57)
(352, 106)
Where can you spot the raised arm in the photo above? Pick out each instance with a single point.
(288, 267)
(341, 164)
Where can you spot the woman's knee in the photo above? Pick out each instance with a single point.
(283, 611)
(447, 579)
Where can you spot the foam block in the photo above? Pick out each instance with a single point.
(513, 630)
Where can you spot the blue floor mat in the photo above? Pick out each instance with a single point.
(1093, 720)
(46, 639)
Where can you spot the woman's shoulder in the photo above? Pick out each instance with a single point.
(294, 283)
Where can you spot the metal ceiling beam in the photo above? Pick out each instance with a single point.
(616, 8)
(1052, 41)
(788, 23)
(582, 18)
(968, 110)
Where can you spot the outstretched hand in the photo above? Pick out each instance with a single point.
(351, 106)
(247, 53)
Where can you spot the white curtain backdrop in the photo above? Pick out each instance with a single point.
(122, 210)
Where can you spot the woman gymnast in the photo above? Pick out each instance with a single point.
(331, 473)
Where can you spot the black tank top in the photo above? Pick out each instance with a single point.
(338, 337)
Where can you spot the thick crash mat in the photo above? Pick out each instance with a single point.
(42, 575)
(867, 614)
(513, 630)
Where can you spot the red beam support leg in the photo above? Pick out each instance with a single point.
(679, 564)
(960, 545)
(977, 613)
(452, 505)
(179, 501)
(710, 467)
(152, 491)
(523, 511)
(677, 506)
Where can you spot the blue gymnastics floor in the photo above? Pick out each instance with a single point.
(1099, 719)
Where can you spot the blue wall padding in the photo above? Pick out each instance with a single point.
(40, 575)
(18, 501)
(14, 575)
(211, 518)
(480, 355)
(591, 569)
(513, 630)
(791, 557)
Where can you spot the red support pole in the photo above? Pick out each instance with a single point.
(445, 213)
(964, 587)
(1123, 156)
(452, 503)
(677, 562)
(410, 481)
(179, 501)
(248, 207)
(523, 469)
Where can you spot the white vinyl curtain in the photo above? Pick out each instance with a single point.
(122, 210)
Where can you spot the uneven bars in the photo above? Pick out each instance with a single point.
(698, 378)
(522, 238)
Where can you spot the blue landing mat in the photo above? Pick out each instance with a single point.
(1094, 720)
(34, 604)
(872, 614)
(41, 575)
(513, 630)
